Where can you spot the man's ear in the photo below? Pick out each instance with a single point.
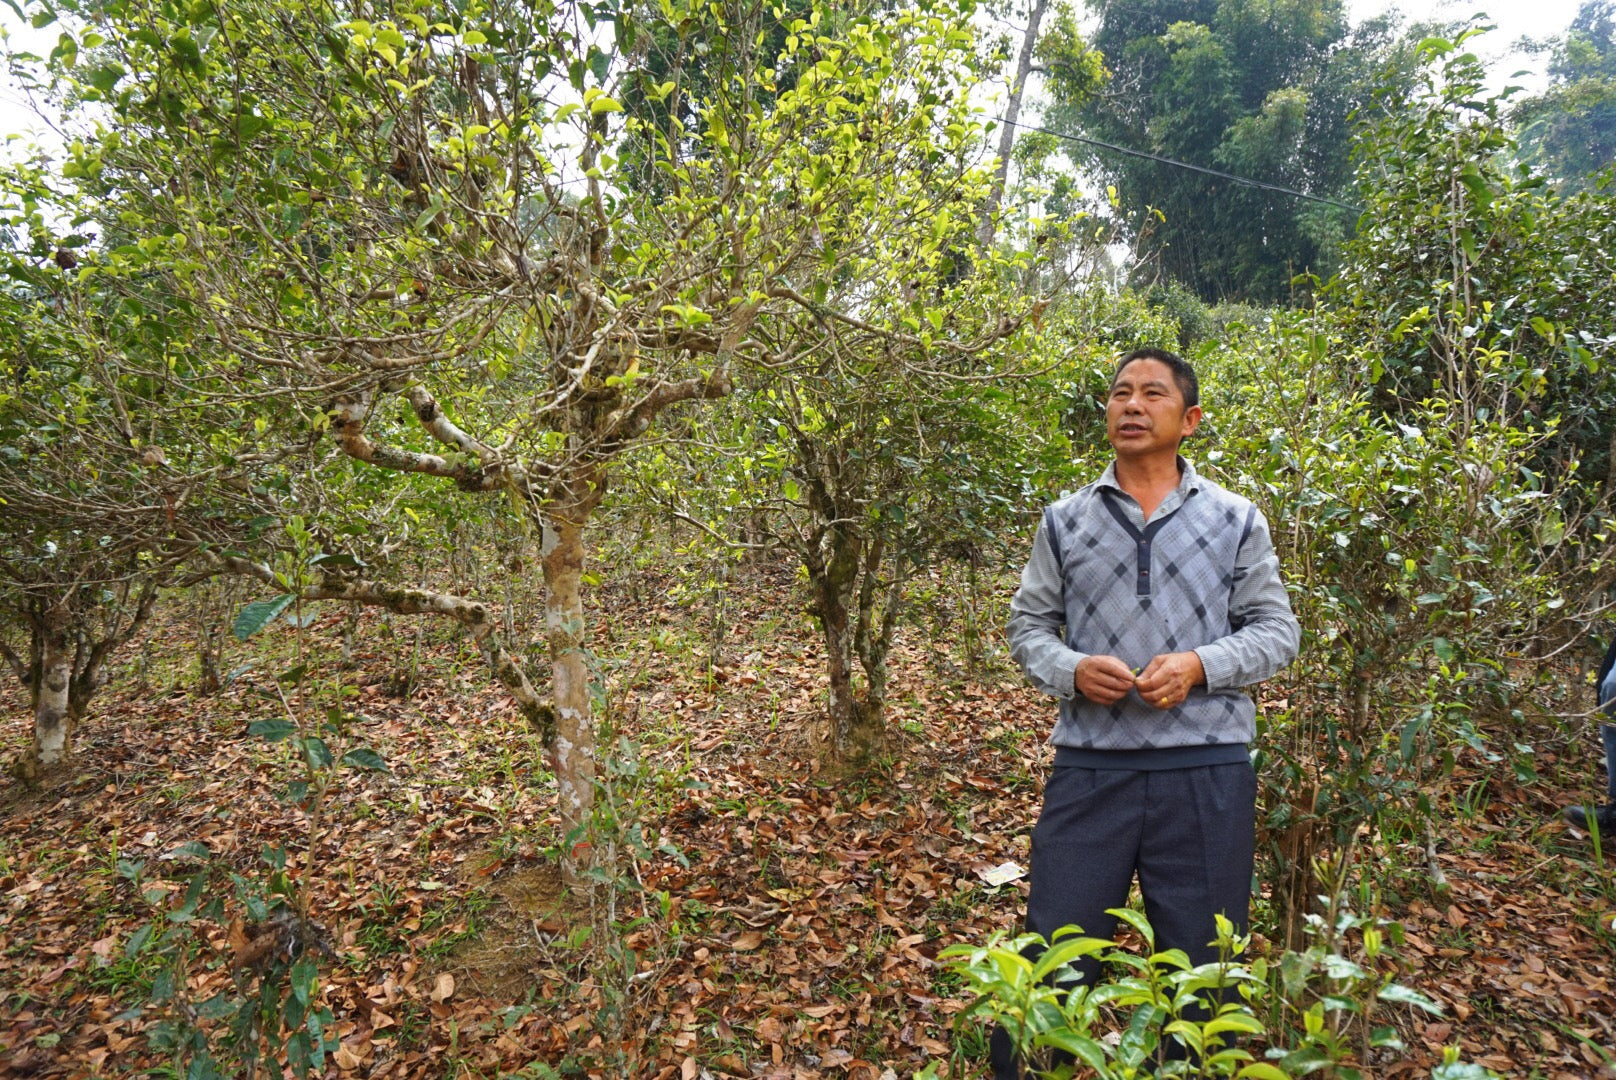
(1192, 419)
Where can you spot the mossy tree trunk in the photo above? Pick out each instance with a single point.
(74, 629)
(51, 693)
(572, 749)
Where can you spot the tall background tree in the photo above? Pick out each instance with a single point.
(872, 428)
(1569, 130)
(108, 491)
(1255, 89)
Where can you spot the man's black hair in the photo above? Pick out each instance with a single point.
(1183, 374)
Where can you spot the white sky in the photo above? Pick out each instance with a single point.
(15, 115)
(1514, 19)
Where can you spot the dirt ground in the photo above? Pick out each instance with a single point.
(774, 919)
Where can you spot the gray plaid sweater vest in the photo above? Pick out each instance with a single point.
(1133, 594)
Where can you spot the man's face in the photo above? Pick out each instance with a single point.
(1145, 415)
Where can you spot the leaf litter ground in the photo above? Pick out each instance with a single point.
(806, 909)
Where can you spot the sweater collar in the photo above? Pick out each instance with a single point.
(1189, 481)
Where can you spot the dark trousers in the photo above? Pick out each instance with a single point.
(1607, 732)
(1190, 834)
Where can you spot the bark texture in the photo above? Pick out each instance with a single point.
(73, 631)
(857, 600)
(53, 713)
(572, 750)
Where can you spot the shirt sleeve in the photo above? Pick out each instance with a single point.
(1266, 634)
(1037, 613)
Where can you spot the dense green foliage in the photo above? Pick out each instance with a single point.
(1470, 276)
(1569, 131)
(1261, 90)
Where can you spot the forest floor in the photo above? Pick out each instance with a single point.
(805, 911)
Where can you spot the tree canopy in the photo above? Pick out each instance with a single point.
(1569, 131)
(1259, 90)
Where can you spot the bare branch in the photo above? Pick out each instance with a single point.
(14, 662)
(348, 420)
(440, 427)
(474, 615)
(631, 421)
(1006, 326)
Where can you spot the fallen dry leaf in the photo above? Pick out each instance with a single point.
(814, 903)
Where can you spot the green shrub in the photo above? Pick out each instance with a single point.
(1314, 1011)
(1026, 986)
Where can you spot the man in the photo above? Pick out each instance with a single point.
(1169, 594)
(1603, 817)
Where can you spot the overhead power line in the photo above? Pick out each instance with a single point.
(1148, 156)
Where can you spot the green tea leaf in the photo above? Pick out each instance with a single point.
(259, 614)
(364, 758)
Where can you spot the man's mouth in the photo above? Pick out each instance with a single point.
(1131, 428)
